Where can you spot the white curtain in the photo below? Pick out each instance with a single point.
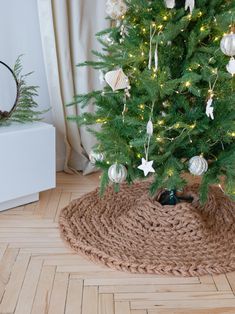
(68, 30)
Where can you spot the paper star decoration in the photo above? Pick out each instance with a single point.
(190, 4)
(146, 166)
(210, 109)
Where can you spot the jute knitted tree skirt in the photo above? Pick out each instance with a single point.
(132, 232)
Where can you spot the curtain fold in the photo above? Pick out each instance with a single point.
(68, 30)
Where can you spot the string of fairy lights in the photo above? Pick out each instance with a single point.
(118, 80)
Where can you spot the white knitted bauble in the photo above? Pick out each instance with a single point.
(198, 165)
(117, 173)
(116, 8)
(94, 157)
(227, 45)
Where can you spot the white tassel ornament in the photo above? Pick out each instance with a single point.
(189, 4)
(156, 58)
(150, 128)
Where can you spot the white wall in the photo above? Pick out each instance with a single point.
(20, 34)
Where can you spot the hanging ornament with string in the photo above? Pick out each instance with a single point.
(117, 80)
(209, 107)
(152, 34)
(227, 46)
(146, 165)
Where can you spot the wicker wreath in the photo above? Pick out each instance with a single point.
(4, 115)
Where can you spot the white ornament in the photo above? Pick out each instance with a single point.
(190, 4)
(231, 66)
(94, 157)
(170, 4)
(227, 45)
(156, 58)
(150, 128)
(107, 39)
(117, 173)
(210, 109)
(124, 31)
(198, 165)
(146, 166)
(116, 8)
(117, 79)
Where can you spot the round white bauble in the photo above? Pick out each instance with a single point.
(227, 45)
(117, 173)
(116, 8)
(94, 157)
(198, 165)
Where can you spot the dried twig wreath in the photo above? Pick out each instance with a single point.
(7, 114)
(23, 108)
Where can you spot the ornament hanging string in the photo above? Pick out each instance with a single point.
(152, 34)
(209, 108)
(149, 132)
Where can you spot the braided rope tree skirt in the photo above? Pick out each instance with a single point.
(131, 231)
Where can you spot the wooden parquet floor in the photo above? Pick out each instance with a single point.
(40, 275)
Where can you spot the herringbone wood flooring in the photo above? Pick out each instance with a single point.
(39, 274)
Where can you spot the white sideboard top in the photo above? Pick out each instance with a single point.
(17, 127)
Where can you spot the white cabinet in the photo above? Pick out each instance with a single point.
(27, 162)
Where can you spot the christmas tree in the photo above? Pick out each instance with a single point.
(167, 97)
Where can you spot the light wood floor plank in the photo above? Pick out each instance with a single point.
(6, 264)
(74, 297)
(14, 285)
(90, 300)
(44, 199)
(222, 283)
(51, 209)
(157, 288)
(3, 247)
(154, 280)
(64, 201)
(29, 287)
(106, 304)
(189, 304)
(59, 294)
(43, 293)
(174, 296)
(231, 280)
(122, 308)
(193, 311)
